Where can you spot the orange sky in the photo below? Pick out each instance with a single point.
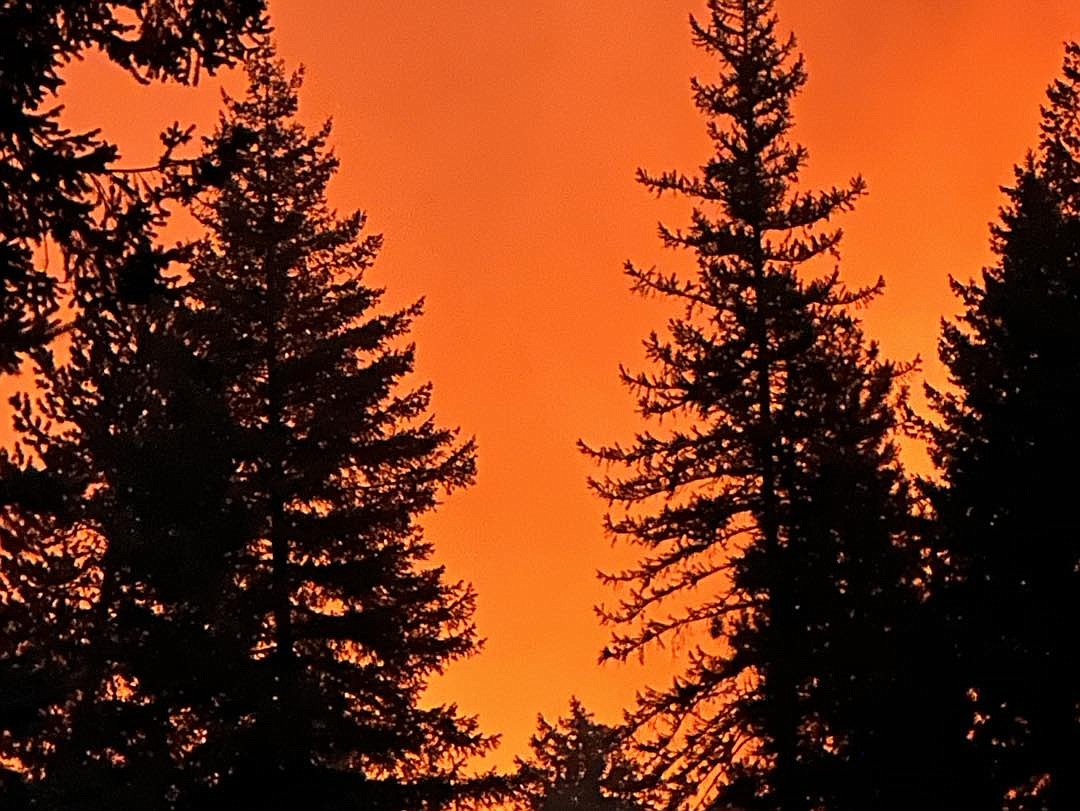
(494, 144)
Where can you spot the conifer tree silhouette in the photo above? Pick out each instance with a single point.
(771, 508)
(1006, 441)
(574, 766)
(248, 619)
(334, 459)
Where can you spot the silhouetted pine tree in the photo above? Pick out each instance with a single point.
(770, 510)
(573, 766)
(334, 459)
(51, 179)
(1006, 442)
(221, 598)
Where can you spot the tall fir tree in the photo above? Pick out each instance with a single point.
(335, 459)
(1006, 441)
(230, 605)
(771, 509)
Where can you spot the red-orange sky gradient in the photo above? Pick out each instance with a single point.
(494, 144)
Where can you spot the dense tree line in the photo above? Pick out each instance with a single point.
(225, 599)
(853, 640)
(1005, 442)
(214, 588)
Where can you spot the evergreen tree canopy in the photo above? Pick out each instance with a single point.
(232, 606)
(1006, 441)
(334, 461)
(572, 764)
(52, 180)
(770, 507)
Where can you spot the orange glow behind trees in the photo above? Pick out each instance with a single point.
(494, 145)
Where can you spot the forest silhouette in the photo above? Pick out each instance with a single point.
(217, 588)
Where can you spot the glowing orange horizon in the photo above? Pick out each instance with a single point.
(494, 145)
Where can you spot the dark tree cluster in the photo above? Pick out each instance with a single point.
(1006, 443)
(215, 591)
(575, 765)
(852, 639)
(221, 599)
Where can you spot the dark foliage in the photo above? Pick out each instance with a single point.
(231, 606)
(334, 460)
(53, 182)
(771, 509)
(114, 542)
(1009, 547)
(575, 766)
